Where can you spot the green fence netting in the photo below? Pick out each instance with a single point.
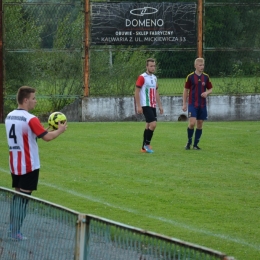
(44, 47)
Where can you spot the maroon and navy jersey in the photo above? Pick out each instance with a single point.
(197, 84)
(22, 130)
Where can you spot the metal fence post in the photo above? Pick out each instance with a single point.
(1, 65)
(200, 29)
(86, 49)
(81, 235)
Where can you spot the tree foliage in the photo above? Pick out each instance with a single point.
(43, 48)
(231, 33)
(114, 72)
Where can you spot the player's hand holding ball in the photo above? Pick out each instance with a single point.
(62, 126)
(58, 120)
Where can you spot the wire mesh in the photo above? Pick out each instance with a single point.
(231, 50)
(49, 231)
(43, 48)
(110, 241)
(231, 45)
(113, 72)
(46, 104)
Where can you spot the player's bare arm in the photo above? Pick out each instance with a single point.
(206, 93)
(158, 100)
(55, 133)
(184, 99)
(137, 101)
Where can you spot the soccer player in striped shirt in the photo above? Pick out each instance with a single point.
(146, 98)
(22, 131)
(196, 89)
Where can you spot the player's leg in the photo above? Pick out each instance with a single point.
(192, 114)
(17, 214)
(144, 137)
(198, 134)
(25, 184)
(151, 118)
(14, 203)
(201, 116)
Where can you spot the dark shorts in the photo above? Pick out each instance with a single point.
(199, 112)
(149, 114)
(28, 181)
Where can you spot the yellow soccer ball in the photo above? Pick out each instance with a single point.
(54, 118)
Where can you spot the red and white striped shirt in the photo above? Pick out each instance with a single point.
(22, 130)
(148, 85)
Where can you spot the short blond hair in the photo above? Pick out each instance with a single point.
(198, 60)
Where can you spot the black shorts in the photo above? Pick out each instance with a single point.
(28, 181)
(150, 114)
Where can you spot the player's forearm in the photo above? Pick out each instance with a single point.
(206, 93)
(137, 98)
(53, 134)
(209, 91)
(158, 100)
(184, 97)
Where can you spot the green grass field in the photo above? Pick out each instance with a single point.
(221, 85)
(209, 197)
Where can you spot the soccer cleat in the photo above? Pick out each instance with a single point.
(187, 147)
(144, 151)
(148, 148)
(17, 237)
(196, 148)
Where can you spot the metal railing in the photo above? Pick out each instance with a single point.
(58, 233)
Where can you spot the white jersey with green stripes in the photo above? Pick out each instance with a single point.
(148, 90)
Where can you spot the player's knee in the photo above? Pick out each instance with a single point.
(199, 124)
(152, 125)
(191, 125)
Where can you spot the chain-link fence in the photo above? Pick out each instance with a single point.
(231, 48)
(114, 68)
(44, 46)
(56, 233)
(232, 45)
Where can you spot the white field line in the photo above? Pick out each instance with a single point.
(174, 223)
(228, 128)
(133, 211)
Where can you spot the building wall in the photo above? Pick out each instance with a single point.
(220, 108)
